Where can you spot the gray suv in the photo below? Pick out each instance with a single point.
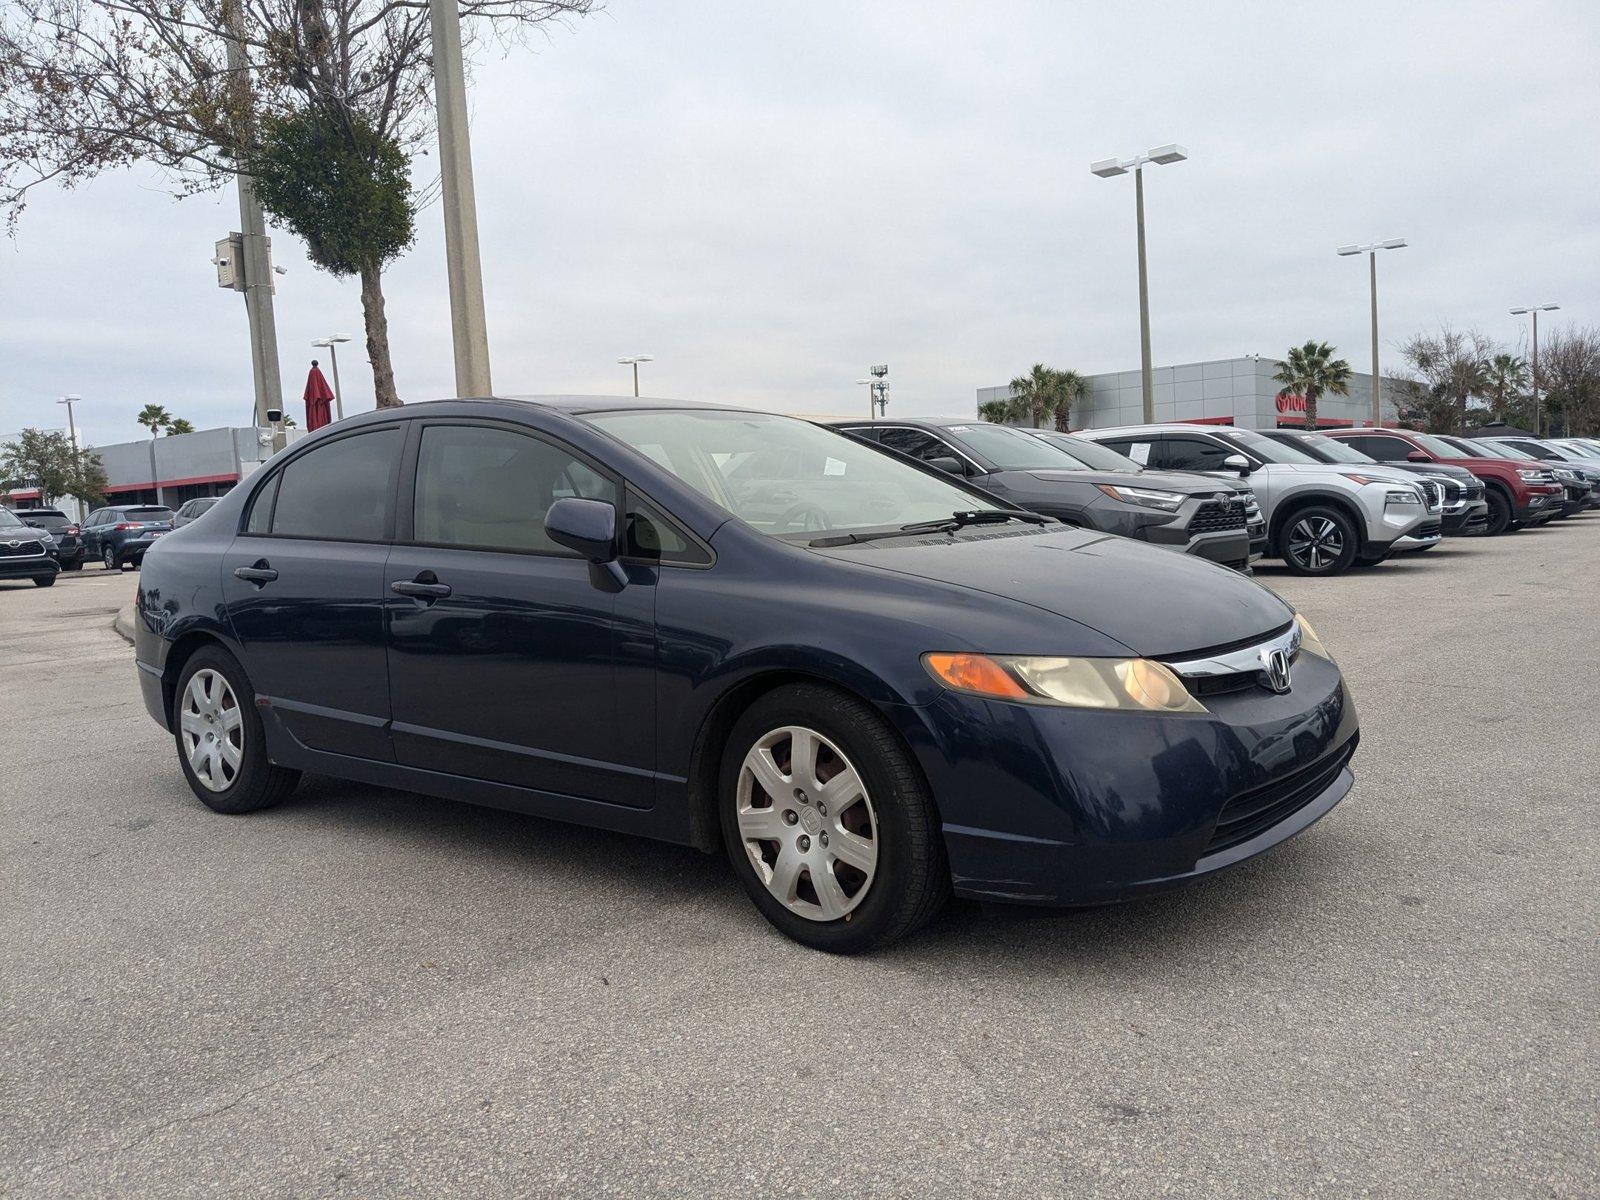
(1082, 484)
(1322, 518)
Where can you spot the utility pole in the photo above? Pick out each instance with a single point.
(1371, 251)
(463, 267)
(257, 259)
(72, 434)
(1536, 309)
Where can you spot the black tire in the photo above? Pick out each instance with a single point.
(75, 565)
(44, 581)
(1499, 513)
(911, 880)
(109, 560)
(258, 783)
(1336, 549)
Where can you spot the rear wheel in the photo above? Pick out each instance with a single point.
(222, 746)
(108, 557)
(828, 822)
(1499, 513)
(1318, 541)
(75, 565)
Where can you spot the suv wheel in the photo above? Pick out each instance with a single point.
(43, 580)
(222, 746)
(828, 823)
(108, 556)
(1499, 513)
(1318, 541)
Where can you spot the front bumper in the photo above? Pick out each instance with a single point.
(1467, 518)
(1061, 806)
(1425, 535)
(27, 566)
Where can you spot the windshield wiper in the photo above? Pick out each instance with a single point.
(955, 521)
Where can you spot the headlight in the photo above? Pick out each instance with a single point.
(1531, 476)
(1402, 496)
(1568, 476)
(1310, 643)
(1144, 497)
(1121, 683)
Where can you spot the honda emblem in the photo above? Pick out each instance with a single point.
(1275, 666)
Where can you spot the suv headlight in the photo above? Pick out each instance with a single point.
(1531, 476)
(1137, 684)
(1144, 497)
(1402, 496)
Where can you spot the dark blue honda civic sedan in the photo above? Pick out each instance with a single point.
(868, 682)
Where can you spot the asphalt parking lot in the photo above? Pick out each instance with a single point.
(372, 993)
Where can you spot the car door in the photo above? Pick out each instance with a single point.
(511, 659)
(303, 586)
(89, 532)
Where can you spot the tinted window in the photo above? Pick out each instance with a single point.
(1179, 453)
(915, 443)
(1136, 450)
(47, 521)
(341, 490)
(149, 513)
(1384, 449)
(261, 508)
(490, 488)
(651, 536)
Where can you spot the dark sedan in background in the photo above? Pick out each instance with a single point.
(1204, 516)
(569, 608)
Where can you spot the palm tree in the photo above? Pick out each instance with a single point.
(179, 425)
(154, 418)
(1504, 379)
(1310, 371)
(1072, 388)
(999, 412)
(1038, 393)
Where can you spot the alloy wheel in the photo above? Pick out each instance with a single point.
(109, 557)
(1316, 543)
(213, 729)
(807, 823)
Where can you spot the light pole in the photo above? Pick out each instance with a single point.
(331, 342)
(634, 362)
(1371, 251)
(1108, 168)
(72, 433)
(877, 390)
(1536, 309)
(463, 267)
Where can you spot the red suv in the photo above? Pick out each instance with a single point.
(1519, 492)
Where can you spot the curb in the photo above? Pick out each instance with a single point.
(123, 622)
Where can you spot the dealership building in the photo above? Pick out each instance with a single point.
(169, 470)
(1230, 391)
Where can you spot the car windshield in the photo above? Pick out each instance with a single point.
(1507, 450)
(1091, 454)
(1266, 449)
(1440, 448)
(1011, 449)
(9, 519)
(1329, 449)
(786, 477)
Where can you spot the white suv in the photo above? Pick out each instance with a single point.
(1322, 518)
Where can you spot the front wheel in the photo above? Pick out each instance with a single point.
(75, 565)
(828, 822)
(1318, 541)
(222, 746)
(44, 581)
(1499, 514)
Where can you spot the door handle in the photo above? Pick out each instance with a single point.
(422, 589)
(260, 574)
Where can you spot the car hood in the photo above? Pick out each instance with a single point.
(1153, 601)
(1188, 485)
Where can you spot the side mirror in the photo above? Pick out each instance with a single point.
(590, 528)
(1418, 456)
(947, 464)
(1237, 462)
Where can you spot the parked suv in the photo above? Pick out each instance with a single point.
(1204, 517)
(191, 510)
(65, 536)
(1581, 480)
(1518, 492)
(1322, 519)
(1464, 508)
(117, 536)
(25, 551)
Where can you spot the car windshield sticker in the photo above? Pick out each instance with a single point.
(833, 466)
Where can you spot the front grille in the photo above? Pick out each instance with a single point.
(1259, 809)
(1214, 517)
(1474, 491)
(22, 548)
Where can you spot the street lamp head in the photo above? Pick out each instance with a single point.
(72, 399)
(1107, 167)
(1347, 251)
(637, 358)
(863, 381)
(1392, 244)
(1167, 154)
(1548, 307)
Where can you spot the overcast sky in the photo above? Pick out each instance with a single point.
(770, 197)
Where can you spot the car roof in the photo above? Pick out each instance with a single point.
(578, 405)
(1159, 427)
(935, 422)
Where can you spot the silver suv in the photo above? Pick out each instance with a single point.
(1322, 518)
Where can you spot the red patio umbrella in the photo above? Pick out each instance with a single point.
(318, 397)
